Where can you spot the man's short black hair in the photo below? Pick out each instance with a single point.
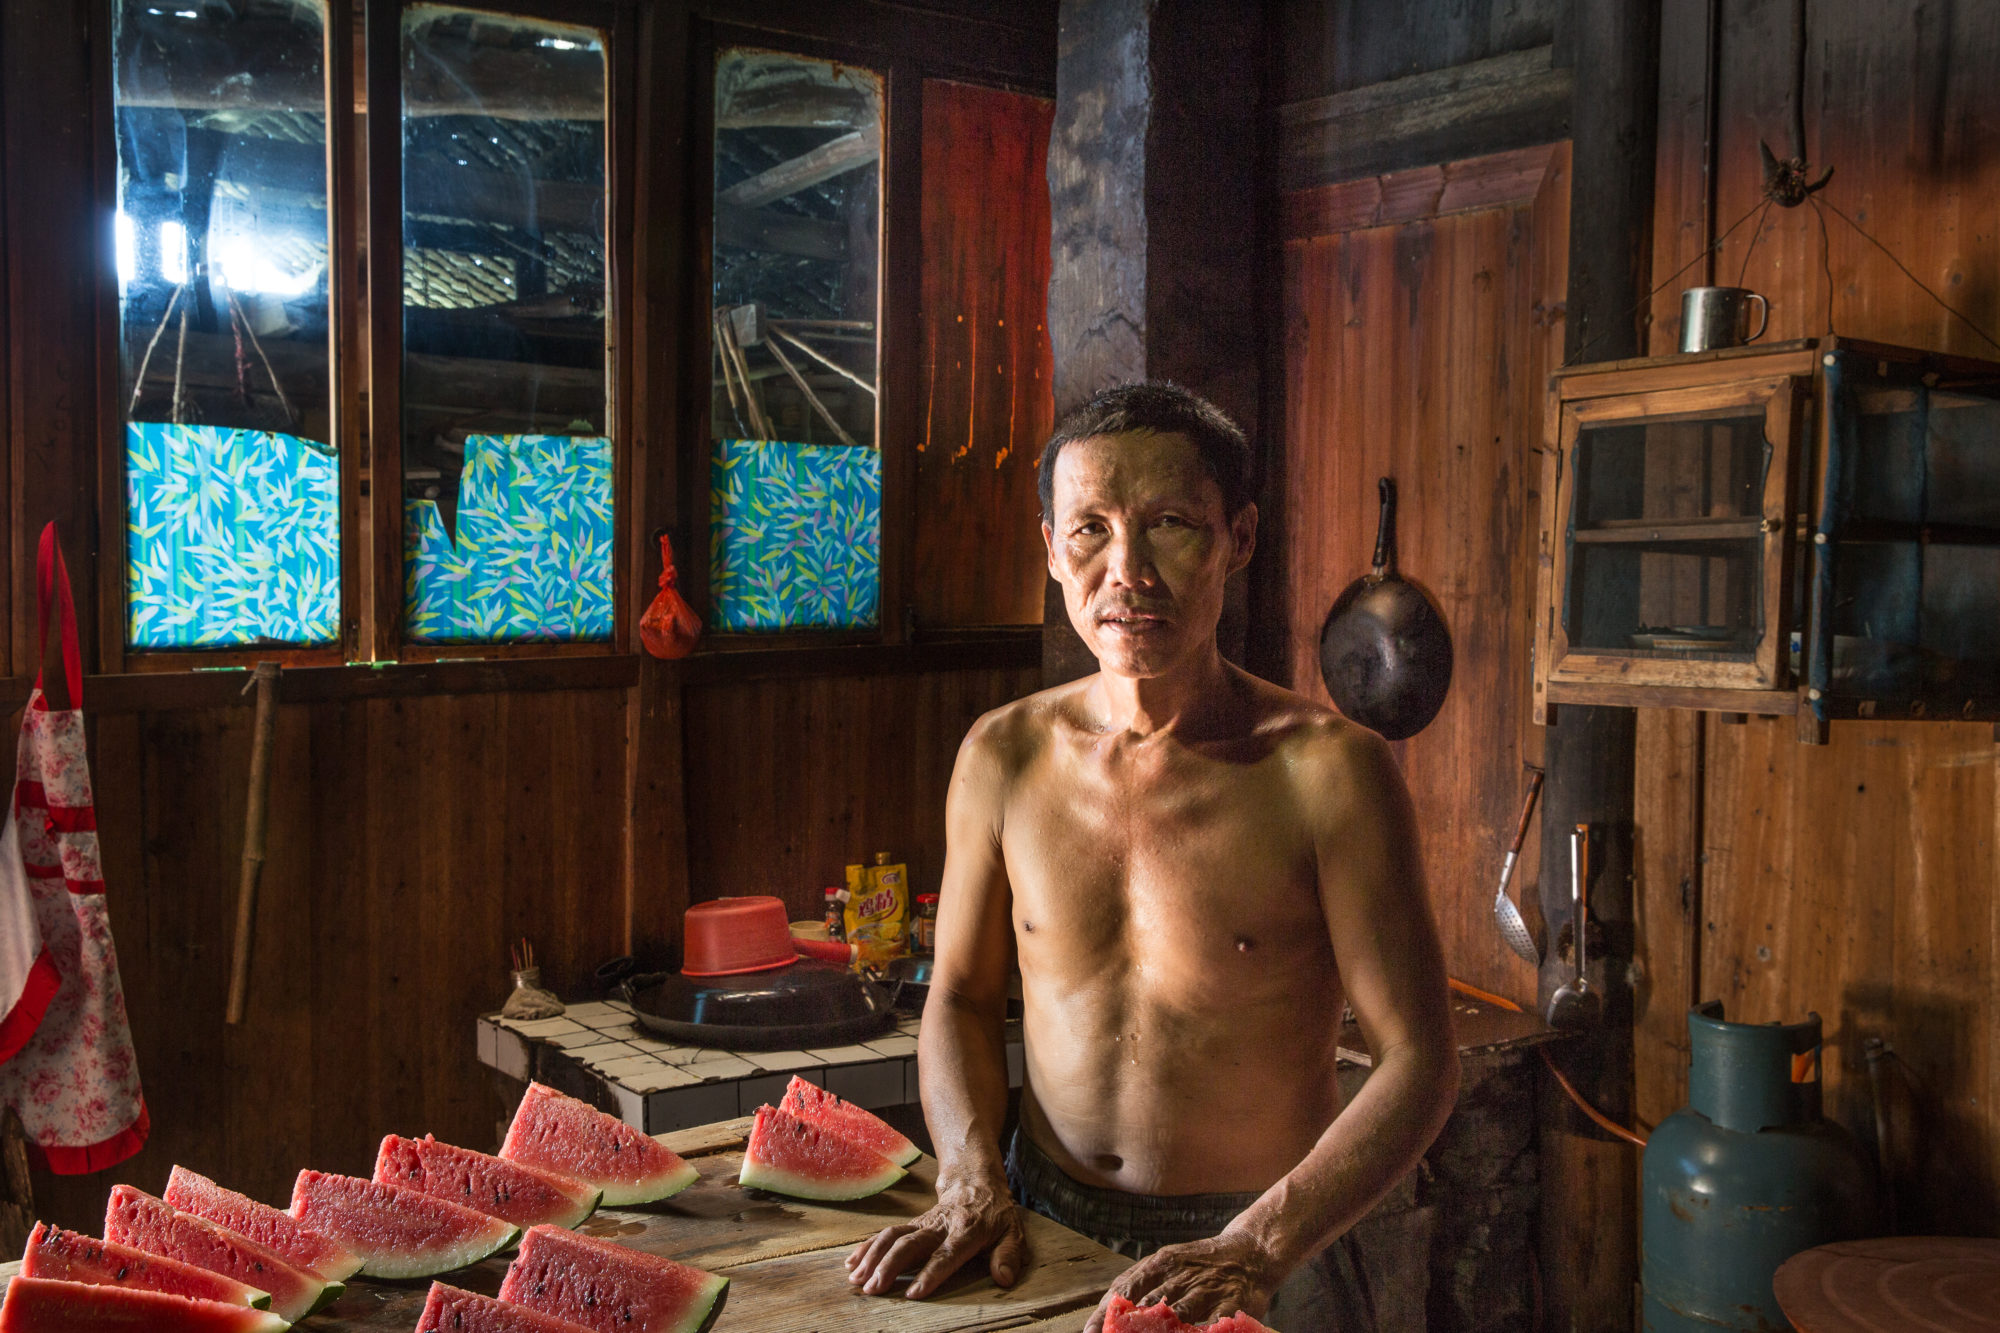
(1166, 409)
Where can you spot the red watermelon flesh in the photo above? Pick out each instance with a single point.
(400, 1233)
(65, 1256)
(788, 1156)
(574, 1139)
(512, 1191)
(43, 1305)
(273, 1228)
(138, 1219)
(816, 1106)
(611, 1288)
(1121, 1316)
(450, 1310)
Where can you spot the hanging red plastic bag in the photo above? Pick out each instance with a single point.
(670, 628)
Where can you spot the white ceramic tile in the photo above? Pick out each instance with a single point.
(763, 1090)
(489, 1038)
(583, 1013)
(511, 1054)
(542, 1027)
(616, 1020)
(778, 1062)
(687, 1055)
(683, 1108)
(631, 1064)
(844, 1055)
(898, 1045)
(868, 1086)
(720, 1067)
(908, 1024)
(604, 1053)
(657, 1078)
(653, 1044)
(631, 1107)
(572, 1041)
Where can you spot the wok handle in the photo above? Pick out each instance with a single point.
(1385, 527)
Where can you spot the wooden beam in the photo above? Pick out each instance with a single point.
(780, 233)
(1589, 1229)
(1480, 107)
(1149, 278)
(835, 157)
(1494, 181)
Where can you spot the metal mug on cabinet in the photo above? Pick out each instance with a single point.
(1713, 317)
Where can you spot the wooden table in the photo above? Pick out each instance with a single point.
(1894, 1284)
(784, 1260)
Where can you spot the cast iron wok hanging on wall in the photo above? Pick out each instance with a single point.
(1384, 651)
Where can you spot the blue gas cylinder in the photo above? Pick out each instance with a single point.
(1743, 1177)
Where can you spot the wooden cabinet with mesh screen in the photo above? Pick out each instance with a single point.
(1809, 528)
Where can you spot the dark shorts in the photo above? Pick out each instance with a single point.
(1326, 1294)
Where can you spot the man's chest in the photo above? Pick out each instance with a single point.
(1190, 855)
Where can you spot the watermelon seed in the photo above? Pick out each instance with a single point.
(123, 1269)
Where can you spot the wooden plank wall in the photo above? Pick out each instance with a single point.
(409, 841)
(1856, 879)
(790, 781)
(987, 382)
(1416, 345)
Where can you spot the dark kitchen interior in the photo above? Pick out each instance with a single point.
(391, 343)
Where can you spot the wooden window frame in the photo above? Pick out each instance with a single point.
(364, 183)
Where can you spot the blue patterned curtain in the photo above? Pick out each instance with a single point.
(533, 558)
(232, 537)
(794, 536)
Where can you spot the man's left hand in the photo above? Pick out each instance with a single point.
(1202, 1280)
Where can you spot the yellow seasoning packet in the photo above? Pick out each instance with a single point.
(878, 907)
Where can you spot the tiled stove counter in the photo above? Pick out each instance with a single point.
(598, 1052)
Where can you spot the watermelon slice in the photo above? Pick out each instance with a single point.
(1121, 1316)
(43, 1305)
(145, 1223)
(273, 1228)
(511, 1191)
(611, 1288)
(788, 1156)
(65, 1256)
(816, 1106)
(450, 1310)
(574, 1139)
(398, 1232)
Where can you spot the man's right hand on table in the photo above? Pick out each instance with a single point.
(965, 1220)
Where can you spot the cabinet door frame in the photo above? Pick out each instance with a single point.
(1565, 672)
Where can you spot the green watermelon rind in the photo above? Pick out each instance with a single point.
(807, 1101)
(54, 1245)
(273, 1228)
(582, 1206)
(777, 1180)
(186, 1311)
(619, 1192)
(704, 1303)
(433, 1261)
(659, 1191)
(145, 1208)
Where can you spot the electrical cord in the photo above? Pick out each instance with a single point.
(1597, 1117)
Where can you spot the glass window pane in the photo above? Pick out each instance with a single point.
(232, 485)
(795, 505)
(507, 456)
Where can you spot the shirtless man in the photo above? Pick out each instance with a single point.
(1193, 869)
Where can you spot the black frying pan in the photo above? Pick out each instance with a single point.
(1384, 651)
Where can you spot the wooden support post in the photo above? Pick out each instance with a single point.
(1155, 270)
(1589, 1227)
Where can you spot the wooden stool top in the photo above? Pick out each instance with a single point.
(1894, 1284)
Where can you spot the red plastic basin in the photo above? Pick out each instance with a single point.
(732, 935)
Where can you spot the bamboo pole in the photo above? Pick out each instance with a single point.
(811, 397)
(264, 732)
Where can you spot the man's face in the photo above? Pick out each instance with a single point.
(1142, 547)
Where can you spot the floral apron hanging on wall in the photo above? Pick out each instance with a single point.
(75, 1084)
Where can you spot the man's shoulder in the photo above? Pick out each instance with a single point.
(1325, 752)
(1015, 731)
